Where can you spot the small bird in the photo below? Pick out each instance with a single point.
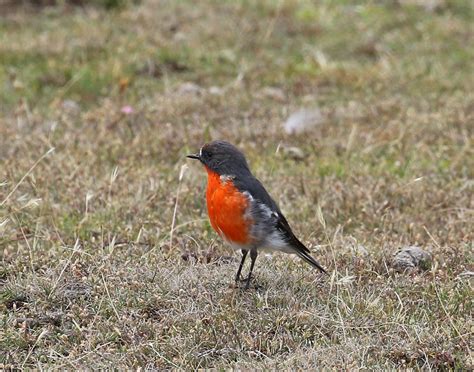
(240, 209)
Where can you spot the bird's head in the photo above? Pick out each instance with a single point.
(222, 158)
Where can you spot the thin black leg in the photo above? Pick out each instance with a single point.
(244, 254)
(253, 257)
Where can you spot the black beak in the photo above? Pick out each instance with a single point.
(194, 156)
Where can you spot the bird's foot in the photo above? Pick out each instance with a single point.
(245, 283)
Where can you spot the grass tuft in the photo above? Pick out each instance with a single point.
(108, 259)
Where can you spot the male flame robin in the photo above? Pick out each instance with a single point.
(240, 209)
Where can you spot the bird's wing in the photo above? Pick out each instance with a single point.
(254, 187)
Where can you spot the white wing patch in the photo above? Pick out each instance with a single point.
(266, 210)
(248, 195)
(269, 237)
(226, 177)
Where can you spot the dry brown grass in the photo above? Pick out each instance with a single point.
(89, 277)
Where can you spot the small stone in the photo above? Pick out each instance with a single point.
(429, 6)
(216, 91)
(411, 257)
(303, 120)
(466, 275)
(293, 152)
(273, 93)
(189, 88)
(71, 107)
(180, 36)
(18, 84)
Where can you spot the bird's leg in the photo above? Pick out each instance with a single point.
(244, 255)
(253, 257)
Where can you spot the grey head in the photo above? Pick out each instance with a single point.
(222, 158)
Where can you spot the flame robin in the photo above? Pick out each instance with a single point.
(240, 209)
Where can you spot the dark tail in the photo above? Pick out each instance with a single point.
(306, 257)
(303, 252)
(300, 248)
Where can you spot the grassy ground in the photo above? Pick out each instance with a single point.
(94, 271)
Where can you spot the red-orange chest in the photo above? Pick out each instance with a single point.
(227, 208)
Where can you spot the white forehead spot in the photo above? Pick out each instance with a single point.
(200, 152)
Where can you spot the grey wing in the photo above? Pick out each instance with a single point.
(271, 227)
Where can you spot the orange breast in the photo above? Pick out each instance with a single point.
(227, 209)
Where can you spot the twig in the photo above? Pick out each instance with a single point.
(449, 317)
(110, 298)
(26, 175)
(42, 334)
(181, 174)
(163, 357)
(76, 245)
